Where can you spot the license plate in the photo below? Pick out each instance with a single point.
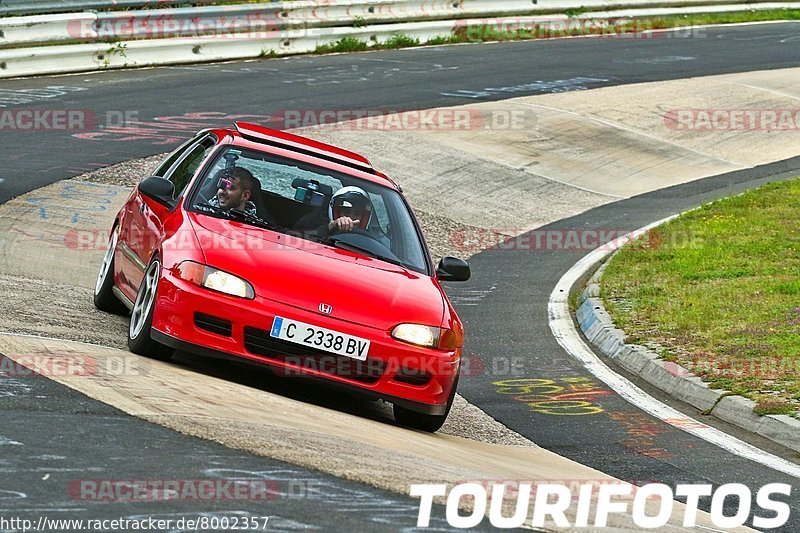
(319, 338)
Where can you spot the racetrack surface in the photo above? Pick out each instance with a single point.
(397, 80)
(54, 438)
(611, 435)
(605, 442)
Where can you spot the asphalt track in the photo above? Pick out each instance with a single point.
(392, 80)
(53, 439)
(504, 307)
(507, 319)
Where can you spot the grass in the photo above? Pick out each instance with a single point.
(575, 27)
(717, 290)
(350, 44)
(610, 28)
(733, 17)
(345, 44)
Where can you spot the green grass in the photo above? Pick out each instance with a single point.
(345, 44)
(733, 17)
(718, 289)
(630, 27)
(350, 44)
(399, 41)
(483, 33)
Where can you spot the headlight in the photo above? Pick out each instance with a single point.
(216, 280)
(417, 334)
(429, 336)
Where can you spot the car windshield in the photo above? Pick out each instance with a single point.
(295, 197)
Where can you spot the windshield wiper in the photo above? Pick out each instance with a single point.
(235, 214)
(364, 251)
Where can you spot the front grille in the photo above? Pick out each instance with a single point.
(214, 324)
(258, 341)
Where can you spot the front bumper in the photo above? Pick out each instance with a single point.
(416, 378)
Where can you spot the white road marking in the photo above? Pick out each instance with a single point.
(564, 331)
(767, 89)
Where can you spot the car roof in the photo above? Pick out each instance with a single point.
(307, 150)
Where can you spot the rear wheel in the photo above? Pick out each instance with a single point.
(421, 421)
(104, 298)
(139, 340)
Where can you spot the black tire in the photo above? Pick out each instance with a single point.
(104, 298)
(139, 339)
(423, 422)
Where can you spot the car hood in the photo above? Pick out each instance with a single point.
(305, 274)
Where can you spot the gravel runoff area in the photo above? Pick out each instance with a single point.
(29, 305)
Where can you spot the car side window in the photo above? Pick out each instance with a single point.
(174, 156)
(186, 166)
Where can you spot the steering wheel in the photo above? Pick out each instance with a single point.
(359, 231)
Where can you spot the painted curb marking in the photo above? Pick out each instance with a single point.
(563, 329)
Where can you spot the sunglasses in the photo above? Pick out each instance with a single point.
(225, 184)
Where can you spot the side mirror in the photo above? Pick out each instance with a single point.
(159, 189)
(452, 269)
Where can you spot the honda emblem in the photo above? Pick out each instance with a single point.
(325, 309)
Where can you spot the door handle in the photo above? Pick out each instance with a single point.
(141, 208)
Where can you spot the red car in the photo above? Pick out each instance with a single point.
(272, 248)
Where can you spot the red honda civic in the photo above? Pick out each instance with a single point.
(263, 246)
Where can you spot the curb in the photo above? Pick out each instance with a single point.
(598, 328)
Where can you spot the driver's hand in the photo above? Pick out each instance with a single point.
(343, 224)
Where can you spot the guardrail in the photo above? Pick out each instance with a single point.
(38, 7)
(35, 7)
(274, 17)
(74, 42)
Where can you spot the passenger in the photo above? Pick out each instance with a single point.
(235, 190)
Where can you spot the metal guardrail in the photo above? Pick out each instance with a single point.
(267, 20)
(256, 20)
(37, 7)
(74, 42)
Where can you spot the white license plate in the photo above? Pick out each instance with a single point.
(319, 338)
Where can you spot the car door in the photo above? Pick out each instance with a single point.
(146, 216)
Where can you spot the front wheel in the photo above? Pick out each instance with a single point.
(139, 340)
(423, 422)
(104, 298)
